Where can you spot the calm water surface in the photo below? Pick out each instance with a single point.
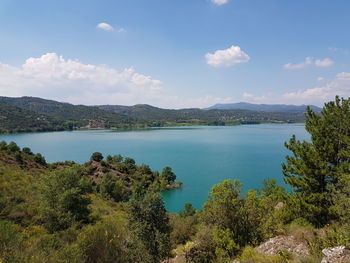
(200, 156)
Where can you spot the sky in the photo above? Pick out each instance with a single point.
(175, 53)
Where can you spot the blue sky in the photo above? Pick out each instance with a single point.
(173, 54)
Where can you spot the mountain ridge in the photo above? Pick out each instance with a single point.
(264, 107)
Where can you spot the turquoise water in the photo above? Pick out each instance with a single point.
(200, 156)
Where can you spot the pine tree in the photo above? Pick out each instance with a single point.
(318, 168)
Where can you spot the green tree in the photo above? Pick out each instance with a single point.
(27, 150)
(13, 147)
(168, 174)
(64, 199)
(225, 209)
(318, 168)
(151, 229)
(97, 157)
(111, 187)
(38, 158)
(188, 210)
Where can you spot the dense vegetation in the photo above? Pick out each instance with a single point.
(110, 210)
(15, 119)
(36, 114)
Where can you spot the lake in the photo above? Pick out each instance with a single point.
(200, 156)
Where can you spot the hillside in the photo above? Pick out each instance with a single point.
(265, 107)
(15, 119)
(150, 114)
(37, 114)
(79, 115)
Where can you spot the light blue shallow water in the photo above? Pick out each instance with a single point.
(200, 156)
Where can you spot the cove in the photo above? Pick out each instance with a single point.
(200, 156)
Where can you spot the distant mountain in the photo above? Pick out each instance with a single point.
(264, 107)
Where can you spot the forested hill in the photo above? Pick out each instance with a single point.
(16, 119)
(37, 114)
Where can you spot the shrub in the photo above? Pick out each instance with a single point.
(97, 157)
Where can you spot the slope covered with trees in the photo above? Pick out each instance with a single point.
(36, 114)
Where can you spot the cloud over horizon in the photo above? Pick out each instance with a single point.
(340, 86)
(309, 61)
(54, 77)
(227, 57)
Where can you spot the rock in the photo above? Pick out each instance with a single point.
(284, 243)
(336, 255)
(279, 205)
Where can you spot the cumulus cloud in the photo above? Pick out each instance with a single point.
(105, 27)
(340, 85)
(219, 2)
(54, 77)
(309, 61)
(227, 57)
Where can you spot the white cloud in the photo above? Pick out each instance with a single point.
(219, 2)
(324, 63)
(320, 78)
(340, 85)
(54, 77)
(228, 57)
(121, 30)
(105, 27)
(309, 61)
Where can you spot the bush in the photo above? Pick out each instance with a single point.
(188, 210)
(97, 157)
(27, 150)
(64, 200)
(13, 147)
(104, 242)
(112, 188)
(38, 158)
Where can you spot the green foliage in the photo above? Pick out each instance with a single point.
(38, 158)
(13, 147)
(203, 250)
(104, 242)
(112, 188)
(249, 255)
(27, 150)
(150, 224)
(97, 157)
(183, 228)
(225, 246)
(64, 199)
(188, 210)
(9, 240)
(27, 114)
(168, 175)
(318, 169)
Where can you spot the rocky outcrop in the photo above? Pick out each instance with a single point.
(336, 255)
(284, 243)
